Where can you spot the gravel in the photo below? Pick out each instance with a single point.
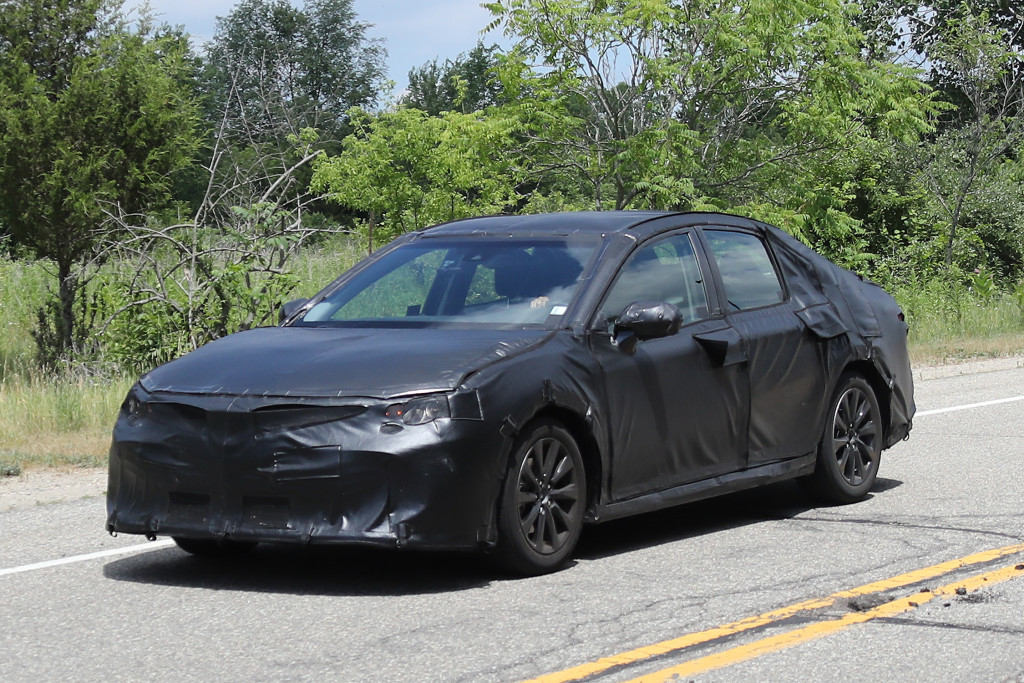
(42, 486)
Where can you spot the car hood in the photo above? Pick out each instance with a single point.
(330, 362)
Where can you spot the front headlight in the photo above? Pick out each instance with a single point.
(420, 411)
(135, 404)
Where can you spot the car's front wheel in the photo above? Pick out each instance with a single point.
(851, 445)
(543, 501)
(219, 548)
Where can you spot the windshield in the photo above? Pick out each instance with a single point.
(472, 280)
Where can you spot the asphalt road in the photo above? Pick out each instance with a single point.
(750, 587)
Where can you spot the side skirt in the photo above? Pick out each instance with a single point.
(705, 488)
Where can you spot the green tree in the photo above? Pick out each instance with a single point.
(274, 67)
(707, 103)
(405, 170)
(985, 75)
(94, 113)
(912, 28)
(468, 83)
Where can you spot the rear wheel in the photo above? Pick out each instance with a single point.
(851, 445)
(543, 500)
(214, 547)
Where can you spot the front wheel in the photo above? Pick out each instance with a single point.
(543, 500)
(851, 445)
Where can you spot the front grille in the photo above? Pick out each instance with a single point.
(276, 417)
(176, 413)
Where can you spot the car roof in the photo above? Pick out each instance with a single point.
(592, 222)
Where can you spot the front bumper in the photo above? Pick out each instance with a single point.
(285, 470)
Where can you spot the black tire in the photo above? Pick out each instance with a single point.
(214, 548)
(851, 444)
(543, 501)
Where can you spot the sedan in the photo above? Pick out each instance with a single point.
(495, 383)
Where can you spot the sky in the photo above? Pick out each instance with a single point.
(414, 31)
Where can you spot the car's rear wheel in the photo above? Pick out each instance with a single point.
(214, 547)
(851, 445)
(543, 501)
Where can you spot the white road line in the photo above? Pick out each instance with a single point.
(968, 406)
(137, 548)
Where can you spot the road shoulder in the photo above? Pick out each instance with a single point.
(923, 373)
(44, 486)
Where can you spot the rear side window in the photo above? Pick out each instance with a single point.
(748, 275)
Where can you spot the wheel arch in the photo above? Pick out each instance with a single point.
(582, 433)
(870, 373)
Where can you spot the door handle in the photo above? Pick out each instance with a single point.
(724, 345)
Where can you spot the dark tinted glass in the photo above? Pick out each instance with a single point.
(666, 270)
(747, 272)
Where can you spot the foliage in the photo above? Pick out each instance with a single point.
(948, 319)
(405, 170)
(467, 84)
(187, 283)
(888, 134)
(201, 285)
(977, 63)
(92, 111)
(930, 23)
(761, 104)
(982, 284)
(274, 66)
(22, 293)
(1017, 295)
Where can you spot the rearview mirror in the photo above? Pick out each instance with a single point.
(645, 320)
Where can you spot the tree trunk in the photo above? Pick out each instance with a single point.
(949, 242)
(372, 223)
(66, 323)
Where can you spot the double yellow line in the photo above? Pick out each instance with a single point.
(801, 635)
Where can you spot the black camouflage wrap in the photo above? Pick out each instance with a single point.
(282, 434)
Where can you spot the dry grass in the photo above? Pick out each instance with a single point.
(48, 423)
(942, 351)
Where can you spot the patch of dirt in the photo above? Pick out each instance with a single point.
(41, 486)
(970, 367)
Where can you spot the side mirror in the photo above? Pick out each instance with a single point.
(289, 309)
(645, 320)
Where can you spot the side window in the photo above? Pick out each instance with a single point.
(482, 289)
(747, 272)
(666, 270)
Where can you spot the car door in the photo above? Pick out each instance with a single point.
(675, 412)
(784, 359)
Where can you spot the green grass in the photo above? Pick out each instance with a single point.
(50, 422)
(319, 266)
(949, 323)
(22, 293)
